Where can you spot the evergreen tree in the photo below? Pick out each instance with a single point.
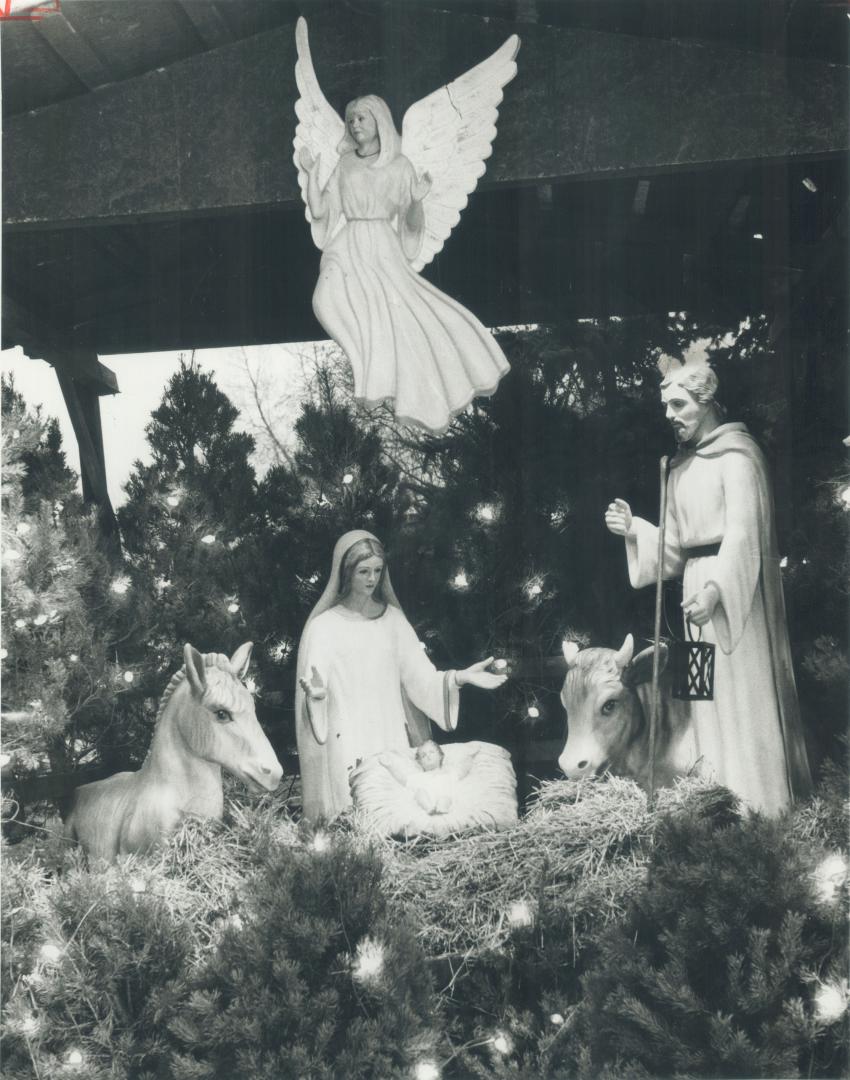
(727, 964)
(315, 981)
(59, 681)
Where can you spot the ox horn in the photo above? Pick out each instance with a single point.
(570, 650)
(625, 653)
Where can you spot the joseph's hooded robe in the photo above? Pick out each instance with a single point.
(720, 530)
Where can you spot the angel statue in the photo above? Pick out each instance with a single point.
(380, 207)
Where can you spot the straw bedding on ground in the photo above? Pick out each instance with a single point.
(577, 856)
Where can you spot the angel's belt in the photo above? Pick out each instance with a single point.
(347, 218)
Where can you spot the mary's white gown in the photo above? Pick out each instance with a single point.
(369, 666)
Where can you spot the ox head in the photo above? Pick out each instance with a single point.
(604, 714)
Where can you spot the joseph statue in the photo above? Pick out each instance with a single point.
(720, 538)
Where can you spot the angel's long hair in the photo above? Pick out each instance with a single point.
(388, 137)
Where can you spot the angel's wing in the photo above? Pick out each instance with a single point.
(320, 127)
(450, 135)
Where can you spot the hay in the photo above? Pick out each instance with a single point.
(199, 873)
(578, 856)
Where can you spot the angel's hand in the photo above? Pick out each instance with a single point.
(422, 187)
(307, 161)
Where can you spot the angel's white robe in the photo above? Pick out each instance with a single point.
(369, 667)
(405, 339)
(749, 738)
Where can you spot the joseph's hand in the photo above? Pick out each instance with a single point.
(618, 518)
(699, 607)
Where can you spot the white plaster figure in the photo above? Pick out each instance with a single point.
(720, 536)
(429, 778)
(380, 207)
(365, 684)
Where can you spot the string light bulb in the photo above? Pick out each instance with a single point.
(831, 1001)
(281, 650)
(50, 953)
(520, 914)
(460, 580)
(486, 513)
(208, 538)
(29, 1024)
(829, 877)
(502, 1043)
(368, 962)
(427, 1070)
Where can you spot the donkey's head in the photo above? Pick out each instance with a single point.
(217, 721)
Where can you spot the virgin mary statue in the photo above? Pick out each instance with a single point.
(365, 684)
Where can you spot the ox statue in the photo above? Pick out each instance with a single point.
(606, 695)
(206, 722)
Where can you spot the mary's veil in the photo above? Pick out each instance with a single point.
(418, 724)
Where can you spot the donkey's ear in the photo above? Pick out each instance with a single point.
(195, 670)
(241, 659)
(640, 669)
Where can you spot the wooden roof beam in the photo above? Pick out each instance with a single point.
(71, 47)
(207, 21)
(39, 340)
(214, 131)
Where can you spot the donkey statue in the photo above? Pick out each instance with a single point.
(205, 722)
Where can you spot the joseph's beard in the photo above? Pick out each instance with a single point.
(680, 434)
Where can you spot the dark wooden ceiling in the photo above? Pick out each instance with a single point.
(685, 238)
(97, 42)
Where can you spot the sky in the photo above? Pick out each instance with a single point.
(276, 369)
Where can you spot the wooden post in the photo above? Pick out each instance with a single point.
(83, 407)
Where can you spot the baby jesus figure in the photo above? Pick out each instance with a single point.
(426, 777)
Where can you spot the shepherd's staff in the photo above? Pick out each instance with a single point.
(656, 641)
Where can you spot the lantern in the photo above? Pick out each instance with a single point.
(692, 667)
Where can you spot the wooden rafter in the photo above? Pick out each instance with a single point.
(213, 132)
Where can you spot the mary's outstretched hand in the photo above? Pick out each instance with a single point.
(315, 689)
(477, 675)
